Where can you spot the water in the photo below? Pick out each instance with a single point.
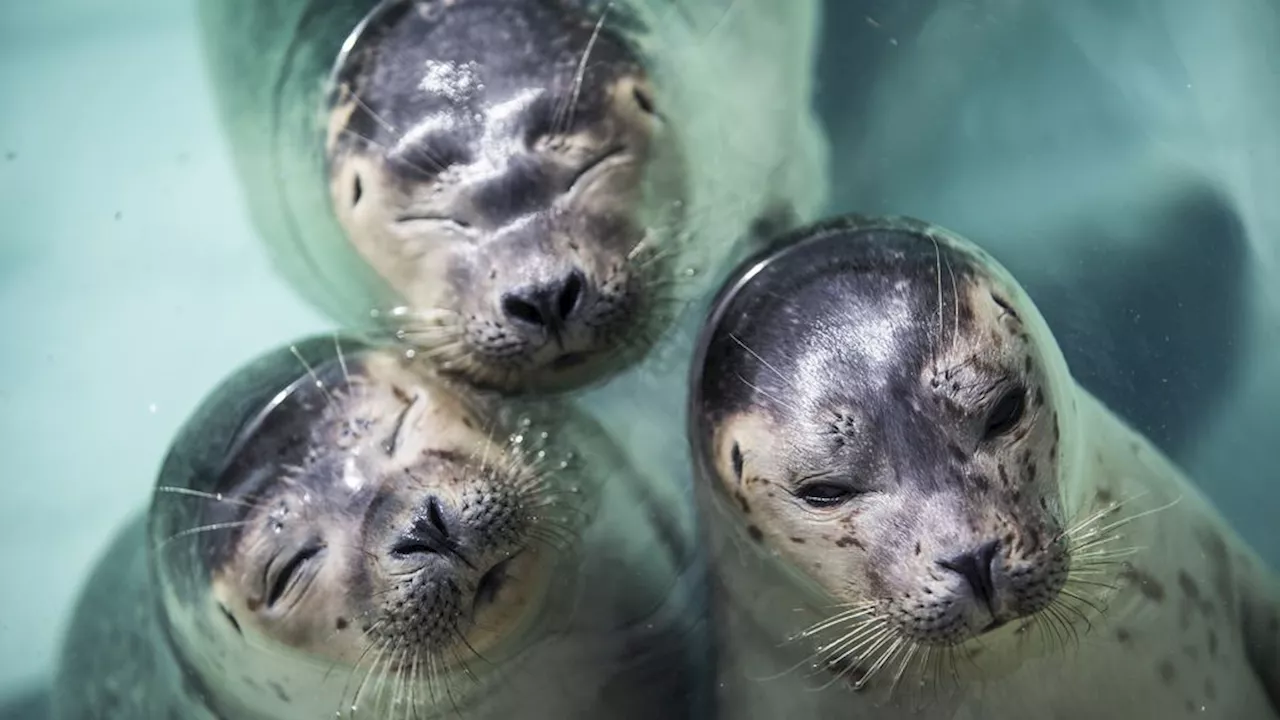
(130, 279)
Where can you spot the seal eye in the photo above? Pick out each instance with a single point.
(1006, 414)
(824, 494)
(289, 574)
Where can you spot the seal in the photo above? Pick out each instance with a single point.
(915, 511)
(343, 534)
(521, 190)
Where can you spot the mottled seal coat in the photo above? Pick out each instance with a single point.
(915, 511)
(521, 188)
(339, 534)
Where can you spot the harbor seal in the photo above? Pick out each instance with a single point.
(523, 190)
(363, 539)
(915, 511)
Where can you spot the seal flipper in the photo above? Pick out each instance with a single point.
(1159, 344)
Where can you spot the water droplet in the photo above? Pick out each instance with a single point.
(525, 422)
(410, 354)
(690, 272)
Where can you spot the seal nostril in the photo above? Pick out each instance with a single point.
(548, 305)
(975, 566)
(523, 310)
(570, 294)
(436, 518)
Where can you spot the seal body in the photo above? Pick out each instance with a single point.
(520, 189)
(336, 533)
(914, 511)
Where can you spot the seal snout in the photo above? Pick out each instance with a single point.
(548, 306)
(429, 535)
(976, 567)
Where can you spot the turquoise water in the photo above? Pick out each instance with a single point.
(131, 280)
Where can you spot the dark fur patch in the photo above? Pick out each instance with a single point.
(755, 533)
(1188, 585)
(1150, 588)
(742, 501)
(1220, 566)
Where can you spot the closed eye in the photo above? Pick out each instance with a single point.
(289, 574)
(595, 163)
(825, 494)
(442, 220)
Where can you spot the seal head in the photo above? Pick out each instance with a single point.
(360, 517)
(877, 404)
(502, 165)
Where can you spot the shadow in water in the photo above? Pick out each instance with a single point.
(1142, 273)
(32, 704)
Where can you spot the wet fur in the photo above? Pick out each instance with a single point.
(729, 158)
(883, 385)
(195, 610)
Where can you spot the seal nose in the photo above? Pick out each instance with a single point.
(429, 534)
(547, 305)
(975, 567)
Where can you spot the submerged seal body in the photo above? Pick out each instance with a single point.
(339, 534)
(522, 189)
(915, 511)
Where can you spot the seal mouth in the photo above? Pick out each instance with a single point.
(995, 624)
(569, 360)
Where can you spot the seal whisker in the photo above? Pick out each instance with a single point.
(767, 394)
(349, 91)
(314, 377)
(862, 646)
(351, 707)
(215, 497)
(342, 361)
(845, 616)
(571, 102)
(1138, 516)
(937, 340)
(406, 159)
(202, 529)
(955, 301)
(786, 382)
(885, 659)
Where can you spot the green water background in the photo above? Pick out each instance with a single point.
(131, 281)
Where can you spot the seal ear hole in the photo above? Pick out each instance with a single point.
(357, 190)
(735, 456)
(1006, 414)
(643, 99)
(235, 625)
